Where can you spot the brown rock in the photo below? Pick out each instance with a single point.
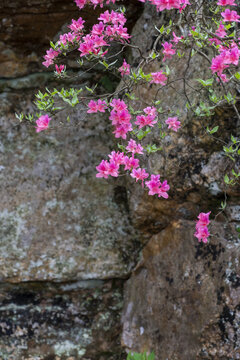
(180, 291)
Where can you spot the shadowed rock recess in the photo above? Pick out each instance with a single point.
(75, 282)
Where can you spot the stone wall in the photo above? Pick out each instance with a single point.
(71, 263)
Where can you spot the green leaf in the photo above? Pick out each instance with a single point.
(19, 116)
(131, 96)
(162, 29)
(193, 52)
(179, 54)
(223, 205)
(229, 97)
(167, 70)
(52, 45)
(226, 179)
(121, 147)
(152, 148)
(141, 134)
(215, 129)
(237, 75)
(104, 64)
(207, 82)
(153, 55)
(88, 89)
(151, 356)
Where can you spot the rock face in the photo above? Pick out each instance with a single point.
(66, 238)
(58, 222)
(69, 241)
(182, 298)
(61, 321)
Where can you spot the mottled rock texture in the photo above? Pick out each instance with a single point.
(183, 298)
(61, 321)
(63, 233)
(69, 241)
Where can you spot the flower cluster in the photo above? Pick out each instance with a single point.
(134, 148)
(168, 51)
(124, 69)
(160, 4)
(169, 4)
(50, 57)
(130, 163)
(109, 28)
(82, 3)
(42, 123)
(201, 227)
(173, 123)
(158, 78)
(222, 61)
(156, 187)
(59, 69)
(95, 106)
(120, 118)
(226, 2)
(147, 120)
(230, 15)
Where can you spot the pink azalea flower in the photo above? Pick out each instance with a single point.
(95, 106)
(80, 3)
(202, 234)
(102, 169)
(153, 184)
(152, 111)
(118, 158)
(156, 187)
(106, 168)
(77, 25)
(134, 148)
(122, 130)
(229, 15)
(131, 163)
(201, 227)
(121, 32)
(223, 77)
(139, 174)
(176, 38)
(98, 29)
(173, 123)
(158, 78)
(232, 56)
(59, 69)
(203, 219)
(162, 191)
(120, 117)
(168, 51)
(124, 69)
(221, 31)
(49, 57)
(226, 2)
(218, 64)
(42, 123)
(145, 120)
(118, 105)
(105, 17)
(113, 168)
(215, 40)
